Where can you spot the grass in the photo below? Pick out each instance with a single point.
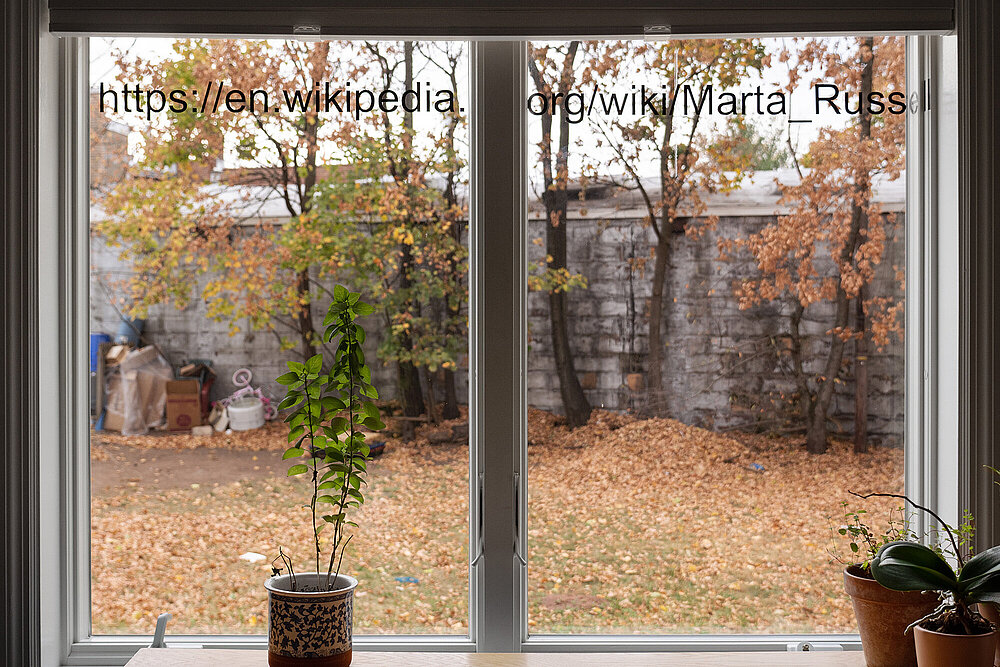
(634, 526)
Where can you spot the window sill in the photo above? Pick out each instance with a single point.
(253, 658)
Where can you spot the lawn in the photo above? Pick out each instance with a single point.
(635, 525)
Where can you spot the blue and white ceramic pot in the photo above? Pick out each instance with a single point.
(309, 627)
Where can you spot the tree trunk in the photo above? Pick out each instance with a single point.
(816, 432)
(574, 401)
(656, 401)
(411, 399)
(308, 342)
(861, 325)
(430, 400)
(860, 379)
(408, 376)
(816, 436)
(575, 405)
(450, 408)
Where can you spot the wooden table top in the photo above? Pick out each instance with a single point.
(180, 657)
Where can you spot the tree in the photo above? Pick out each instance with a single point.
(687, 162)
(174, 228)
(178, 231)
(833, 215)
(386, 222)
(760, 149)
(553, 77)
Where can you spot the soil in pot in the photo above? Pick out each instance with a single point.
(883, 616)
(937, 649)
(309, 626)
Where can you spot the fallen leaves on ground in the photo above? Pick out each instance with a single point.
(635, 525)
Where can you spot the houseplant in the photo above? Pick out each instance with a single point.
(882, 614)
(989, 609)
(952, 634)
(310, 613)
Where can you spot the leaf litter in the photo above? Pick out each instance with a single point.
(635, 526)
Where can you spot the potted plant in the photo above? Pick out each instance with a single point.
(882, 614)
(989, 609)
(954, 633)
(310, 613)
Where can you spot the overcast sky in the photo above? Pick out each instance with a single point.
(104, 71)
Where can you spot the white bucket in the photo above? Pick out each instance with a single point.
(246, 414)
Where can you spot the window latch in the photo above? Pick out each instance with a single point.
(517, 520)
(310, 32)
(815, 646)
(653, 33)
(479, 528)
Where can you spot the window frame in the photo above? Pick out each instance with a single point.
(498, 408)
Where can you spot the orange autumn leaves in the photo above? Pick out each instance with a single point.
(837, 182)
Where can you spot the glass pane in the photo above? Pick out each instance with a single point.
(234, 184)
(716, 257)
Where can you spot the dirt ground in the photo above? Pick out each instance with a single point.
(152, 470)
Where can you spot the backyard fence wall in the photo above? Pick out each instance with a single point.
(724, 368)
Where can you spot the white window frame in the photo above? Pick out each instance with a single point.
(498, 406)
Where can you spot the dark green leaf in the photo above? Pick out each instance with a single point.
(289, 401)
(907, 566)
(982, 572)
(287, 378)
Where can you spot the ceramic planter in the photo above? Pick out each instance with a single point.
(309, 627)
(937, 649)
(992, 615)
(883, 616)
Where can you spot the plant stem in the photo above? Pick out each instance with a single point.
(352, 372)
(315, 474)
(951, 536)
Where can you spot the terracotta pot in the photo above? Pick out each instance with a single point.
(936, 649)
(309, 627)
(882, 616)
(992, 615)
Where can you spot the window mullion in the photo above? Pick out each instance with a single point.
(498, 316)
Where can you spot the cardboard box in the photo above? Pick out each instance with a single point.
(135, 392)
(115, 354)
(183, 405)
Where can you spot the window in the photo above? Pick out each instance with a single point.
(217, 236)
(717, 262)
(500, 315)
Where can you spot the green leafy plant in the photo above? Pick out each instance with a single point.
(330, 411)
(864, 540)
(908, 566)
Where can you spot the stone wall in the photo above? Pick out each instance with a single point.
(724, 368)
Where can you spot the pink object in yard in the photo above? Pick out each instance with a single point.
(242, 379)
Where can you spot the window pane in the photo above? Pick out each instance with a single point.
(234, 183)
(716, 257)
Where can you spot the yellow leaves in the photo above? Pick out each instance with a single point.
(402, 235)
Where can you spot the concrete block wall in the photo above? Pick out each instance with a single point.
(724, 368)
